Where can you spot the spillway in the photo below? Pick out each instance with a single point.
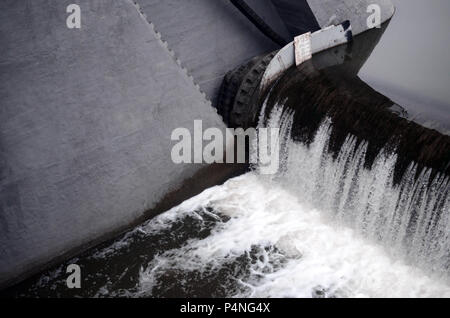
(341, 218)
(321, 227)
(359, 206)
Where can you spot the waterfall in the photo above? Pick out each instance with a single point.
(410, 219)
(325, 225)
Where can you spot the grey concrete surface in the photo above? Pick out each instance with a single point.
(297, 16)
(268, 11)
(210, 38)
(86, 120)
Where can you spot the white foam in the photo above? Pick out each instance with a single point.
(333, 227)
(319, 253)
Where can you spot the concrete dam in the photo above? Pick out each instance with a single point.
(87, 116)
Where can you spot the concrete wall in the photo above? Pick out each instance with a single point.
(297, 16)
(211, 38)
(86, 118)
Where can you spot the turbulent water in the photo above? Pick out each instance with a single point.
(283, 248)
(411, 219)
(323, 226)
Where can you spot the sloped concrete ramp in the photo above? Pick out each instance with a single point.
(210, 38)
(86, 120)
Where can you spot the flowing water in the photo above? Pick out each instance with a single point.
(323, 226)
(326, 225)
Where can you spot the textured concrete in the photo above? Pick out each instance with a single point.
(86, 119)
(211, 37)
(297, 16)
